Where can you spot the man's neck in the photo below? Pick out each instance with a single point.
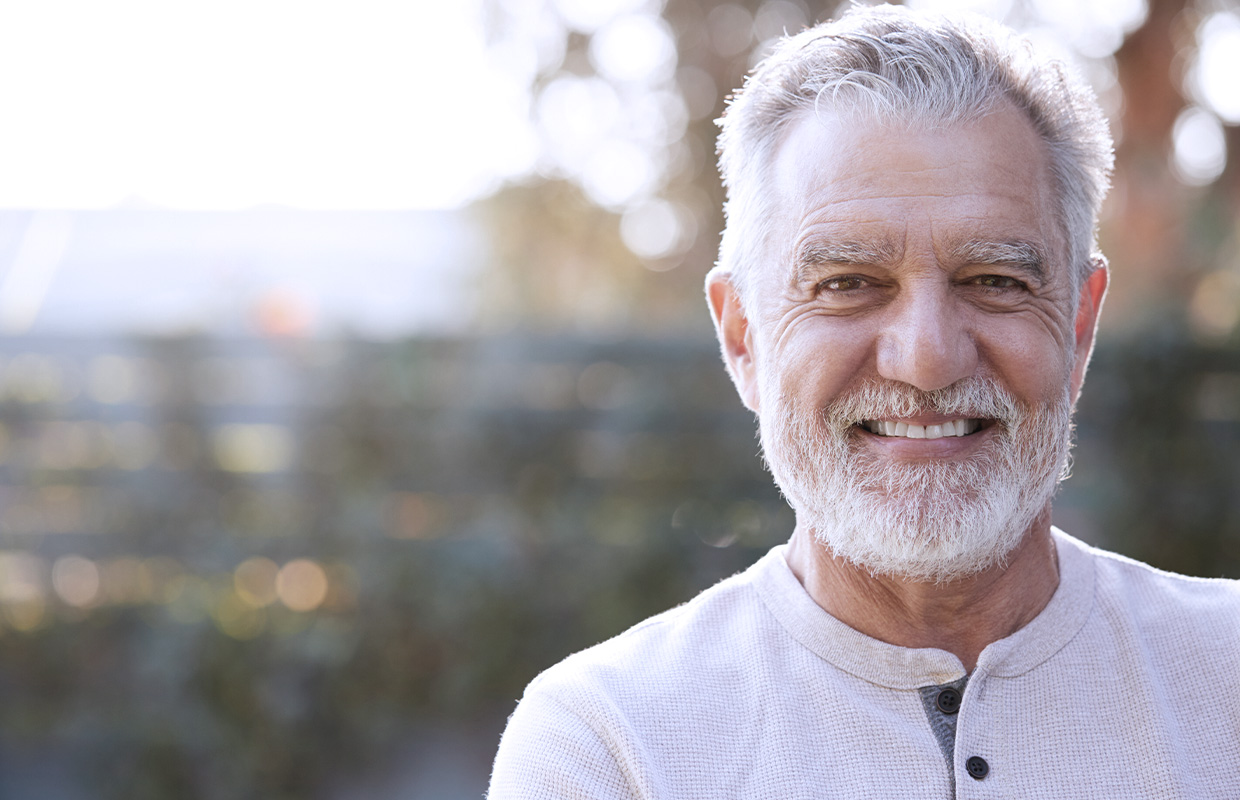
(961, 617)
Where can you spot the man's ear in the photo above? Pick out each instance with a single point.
(1089, 305)
(735, 335)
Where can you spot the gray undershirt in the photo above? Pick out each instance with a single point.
(943, 725)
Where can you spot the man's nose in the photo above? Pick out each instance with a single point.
(926, 342)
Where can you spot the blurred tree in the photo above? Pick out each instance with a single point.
(647, 244)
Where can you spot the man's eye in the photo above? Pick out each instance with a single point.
(845, 283)
(997, 282)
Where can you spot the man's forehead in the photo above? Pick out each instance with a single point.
(827, 145)
(853, 181)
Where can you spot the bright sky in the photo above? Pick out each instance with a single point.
(226, 104)
(371, 104)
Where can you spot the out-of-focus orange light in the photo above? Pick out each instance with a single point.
(301, 585)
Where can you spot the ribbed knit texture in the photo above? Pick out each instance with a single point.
(1127, 685)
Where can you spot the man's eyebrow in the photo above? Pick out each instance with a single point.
(812, 255)
(1022, 255)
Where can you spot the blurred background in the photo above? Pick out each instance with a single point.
(354, 366)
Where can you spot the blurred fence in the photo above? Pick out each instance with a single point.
(235, 568)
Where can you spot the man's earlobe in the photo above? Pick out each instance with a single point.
(735, 335)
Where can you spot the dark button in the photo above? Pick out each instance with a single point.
(977, 767)
(948, 701)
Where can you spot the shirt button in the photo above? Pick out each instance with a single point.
(948, 701)
(977, 767)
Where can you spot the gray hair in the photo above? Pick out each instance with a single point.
(898, 67)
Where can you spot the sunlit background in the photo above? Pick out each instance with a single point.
(354, 366)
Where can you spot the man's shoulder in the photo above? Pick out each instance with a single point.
(713, 633)
(656, 700)
(1152, 598)
(1120, 573)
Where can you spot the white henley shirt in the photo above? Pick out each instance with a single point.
(1127, 685)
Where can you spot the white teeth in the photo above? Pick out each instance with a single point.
(957, 427)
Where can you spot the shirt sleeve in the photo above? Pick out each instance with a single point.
(548, 752)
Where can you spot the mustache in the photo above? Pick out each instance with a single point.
(970, 398)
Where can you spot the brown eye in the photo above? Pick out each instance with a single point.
(998, 282)
(845, 283)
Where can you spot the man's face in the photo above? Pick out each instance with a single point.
(910, 345)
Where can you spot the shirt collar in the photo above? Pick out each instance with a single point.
(909, 668)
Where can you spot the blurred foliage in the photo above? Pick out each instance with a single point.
(559, 249)
(480, 507)
(1158, 460)
(483, 508)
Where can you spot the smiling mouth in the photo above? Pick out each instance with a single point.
(905, 430)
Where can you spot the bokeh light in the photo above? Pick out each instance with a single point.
(1212, 75)
(635, 48)
(255, 581)
(1215, 306)
(302, 585)
(657, 229)
(236, 617)
(1199, 149)
(76, 580)
(252, 447)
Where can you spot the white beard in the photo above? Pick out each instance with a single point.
(928, 521)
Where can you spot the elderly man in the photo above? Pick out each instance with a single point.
(906, 298)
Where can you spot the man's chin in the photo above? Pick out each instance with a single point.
(928, 558)
(944, 535)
